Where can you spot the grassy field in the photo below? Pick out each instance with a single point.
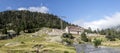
(105, 41)
(25, 44)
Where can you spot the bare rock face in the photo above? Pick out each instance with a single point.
(54, 35)
(41, 32)
(56, 32)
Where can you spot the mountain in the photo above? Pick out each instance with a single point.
(26, 20)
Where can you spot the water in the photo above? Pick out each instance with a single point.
(88, 48)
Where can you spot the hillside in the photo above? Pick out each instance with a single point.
(26, 20)
(35, 38)
(28, 43)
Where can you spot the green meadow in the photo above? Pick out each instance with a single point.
(25, 44)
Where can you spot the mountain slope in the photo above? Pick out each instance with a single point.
(25, 20)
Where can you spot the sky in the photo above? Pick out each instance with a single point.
(86, 13)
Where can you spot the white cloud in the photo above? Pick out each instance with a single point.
(106, 22)
(22, 8)
(42, 9)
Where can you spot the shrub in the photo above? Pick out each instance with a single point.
(110, 37)
(97, 42)
(22, 42)
(32, 30)
(67, 35)
(84, 37)
(66, 52)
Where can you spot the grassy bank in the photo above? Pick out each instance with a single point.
(105, 41)
(26, 42)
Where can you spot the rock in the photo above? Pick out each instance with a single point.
(12, 44)
(54, 39)
(65, 43)
(56, 32)
(34, 35)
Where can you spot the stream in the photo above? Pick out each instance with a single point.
(89, 48)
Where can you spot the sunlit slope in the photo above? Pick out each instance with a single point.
(26, 42)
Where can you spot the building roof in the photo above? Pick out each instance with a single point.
(75, 28)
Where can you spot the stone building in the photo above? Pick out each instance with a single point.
(74, 29)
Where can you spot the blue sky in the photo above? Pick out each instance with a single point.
(76, 11)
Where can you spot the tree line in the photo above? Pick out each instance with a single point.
(26, 20)
(110, 33)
